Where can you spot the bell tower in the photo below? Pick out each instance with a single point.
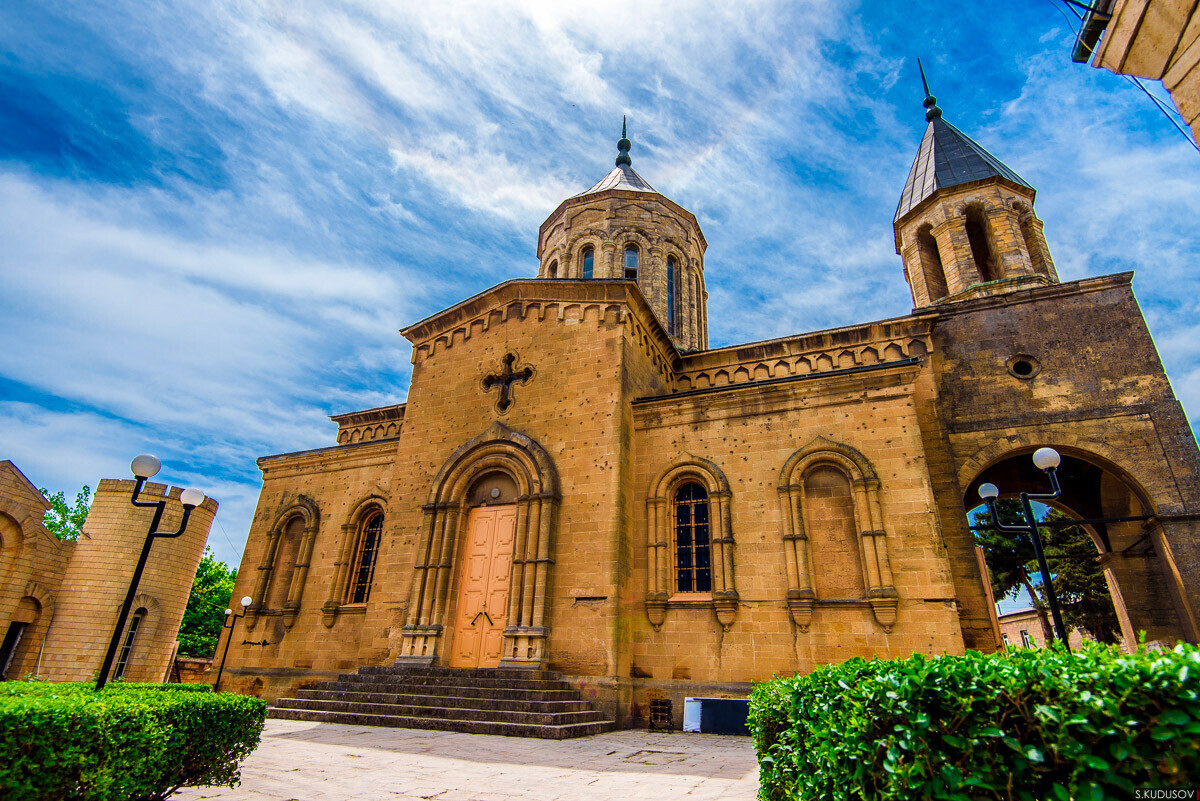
(965, 225)
(623, 229)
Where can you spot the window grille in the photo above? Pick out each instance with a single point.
(127, 646)
(672, 267)
(693, 572)
(364, 559)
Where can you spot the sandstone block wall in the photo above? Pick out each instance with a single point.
(97, 578)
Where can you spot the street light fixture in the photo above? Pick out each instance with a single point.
(1047, 460)
(230, 620)
(144, 467)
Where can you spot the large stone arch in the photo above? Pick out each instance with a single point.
(502, 449)
(659, 543)
(1140, 556)
(868, 525)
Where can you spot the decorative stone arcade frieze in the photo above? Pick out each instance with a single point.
(659, 515)
(868, 522)
(499, 449)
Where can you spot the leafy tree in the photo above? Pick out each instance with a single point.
(1079, 582)
(1009, 557)
(205, 612)
(63, 521)
(1077, 576)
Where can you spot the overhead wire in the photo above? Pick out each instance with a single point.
(1169, 113)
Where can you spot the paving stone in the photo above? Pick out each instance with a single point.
(303, 761)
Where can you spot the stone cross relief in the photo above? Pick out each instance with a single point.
(505, 380)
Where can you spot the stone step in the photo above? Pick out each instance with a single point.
(450, 690)
(460, 702)
(478, 673)
(418, 680)
(416, 711)
(507, 729)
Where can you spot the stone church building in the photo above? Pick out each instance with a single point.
(578, 483)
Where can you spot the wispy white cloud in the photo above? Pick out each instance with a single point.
(301, 180)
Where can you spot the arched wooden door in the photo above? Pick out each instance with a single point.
(483, 584)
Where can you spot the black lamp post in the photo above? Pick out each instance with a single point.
(1047, 460)
(230, 621)
(144, 467)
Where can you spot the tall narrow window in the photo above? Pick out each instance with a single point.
(985, 260)
(1033, 245)
(631, 262)
(589, 262)
(552, 271)
(364, 558)
(672, 268)
(693, 572)
(131, 631)
(931, 264)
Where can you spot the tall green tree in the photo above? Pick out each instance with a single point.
(64, 520)
(1010, 559)
(1079, 583)
(1077, 576)
(205, 612)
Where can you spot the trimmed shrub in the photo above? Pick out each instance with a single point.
(1023, 724)
(66, 741)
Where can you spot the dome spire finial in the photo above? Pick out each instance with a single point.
(623, 145)
(932, 112)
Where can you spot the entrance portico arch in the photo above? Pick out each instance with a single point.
(1138, 555)
(444, 526)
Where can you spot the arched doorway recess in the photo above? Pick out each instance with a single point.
(435, 588)
(1119, 517)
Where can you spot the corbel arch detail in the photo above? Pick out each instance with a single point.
(659, 541)
(347, 547)
(526, 635)
(41, 594)
(868, 526)
(305, 509)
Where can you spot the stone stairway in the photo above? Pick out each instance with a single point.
(515, 703)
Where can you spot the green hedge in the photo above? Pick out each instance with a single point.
(66, 741)
(1023, 724)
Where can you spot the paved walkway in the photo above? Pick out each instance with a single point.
(300, 761)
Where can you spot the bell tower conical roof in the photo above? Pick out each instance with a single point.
(965, 225)
(947, 157)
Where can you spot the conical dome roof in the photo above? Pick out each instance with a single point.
(623, 176)
(947, 157)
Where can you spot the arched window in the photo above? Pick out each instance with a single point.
(631, 262)
(364, 558)
(131, 631)
(552, 271)
(1033, 244)
(981, 251)
(672, 268)
(931, 264)
(693, 569)
(589, 261)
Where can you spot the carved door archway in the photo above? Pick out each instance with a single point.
(447, 522)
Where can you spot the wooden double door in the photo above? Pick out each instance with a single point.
(483, 585)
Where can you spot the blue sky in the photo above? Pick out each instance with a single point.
(214, 216)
